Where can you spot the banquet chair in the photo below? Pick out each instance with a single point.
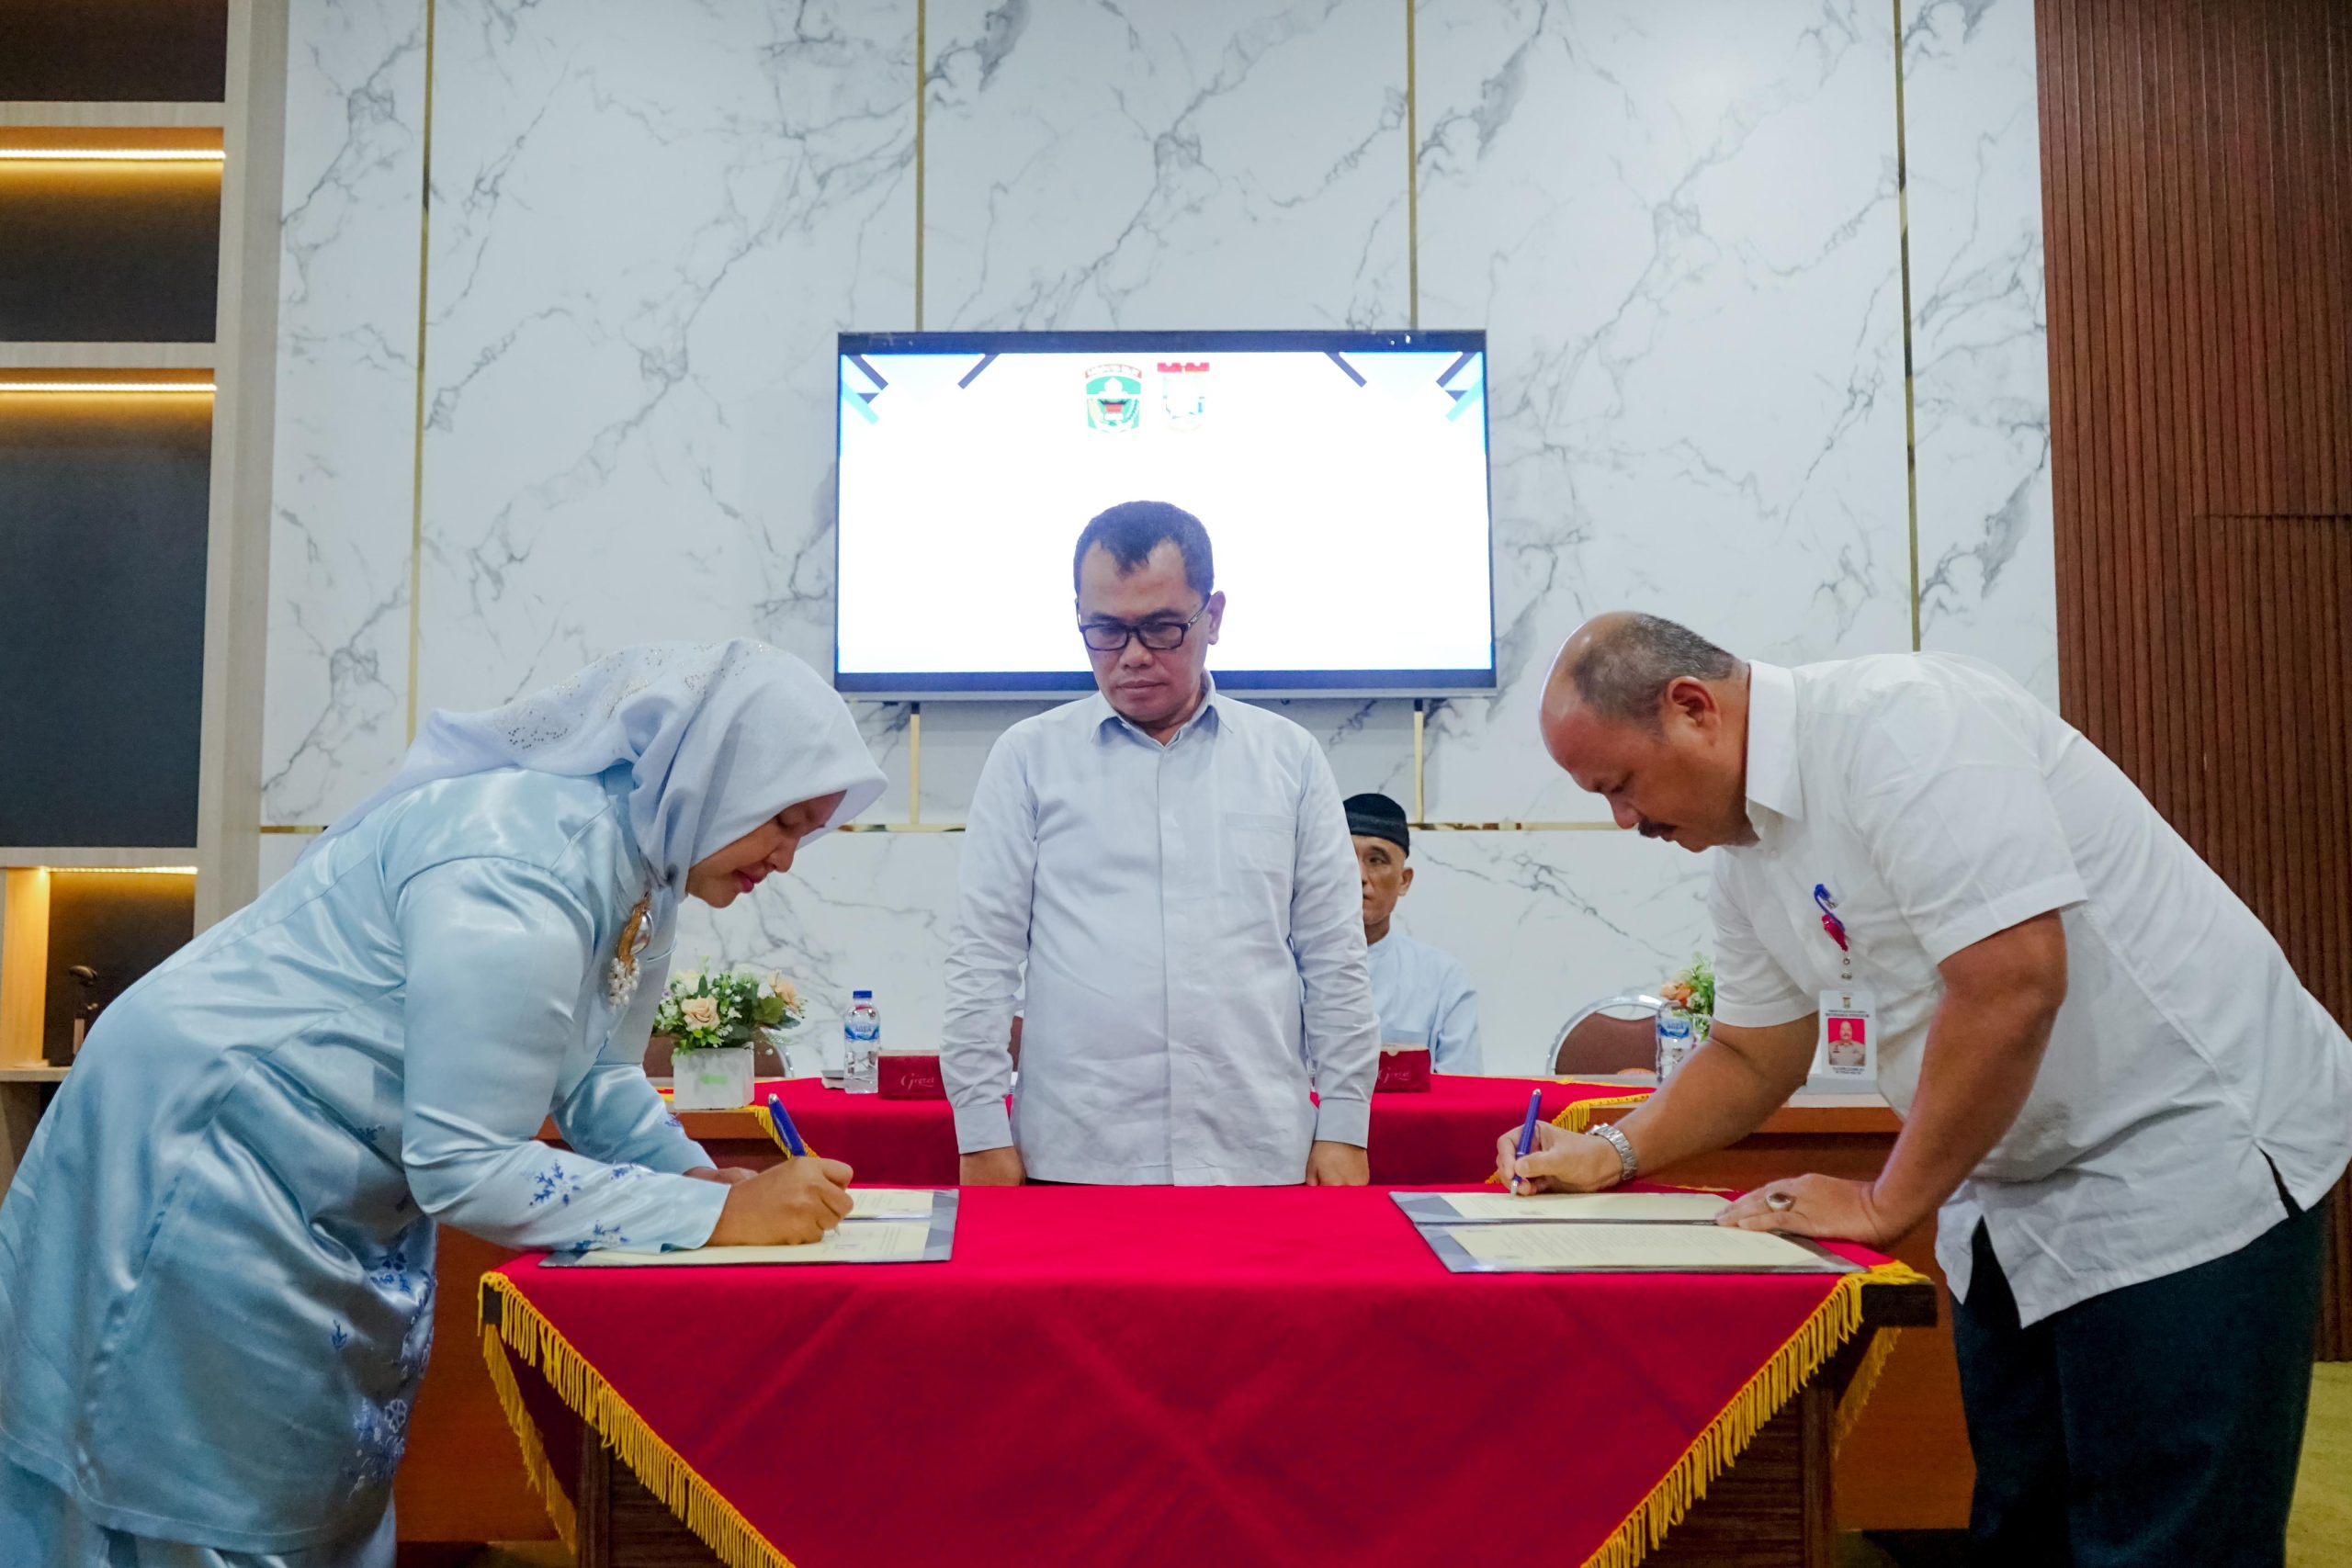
(1609, 1036)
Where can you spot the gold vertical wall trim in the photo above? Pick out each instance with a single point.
(914, 763)
(1910, 403)
(923, 92)
(1420, 756)
(1413, 220)
(416, 469)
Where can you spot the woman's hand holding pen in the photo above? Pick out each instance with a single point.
(792, 1203)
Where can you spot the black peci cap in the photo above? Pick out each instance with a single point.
(1377, 817)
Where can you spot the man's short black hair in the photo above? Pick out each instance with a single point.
(1133, 529)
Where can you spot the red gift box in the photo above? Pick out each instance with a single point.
(1404, 1069)
(909, 1074)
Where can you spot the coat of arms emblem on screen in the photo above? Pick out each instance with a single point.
(1184, 391)
(1114, 396)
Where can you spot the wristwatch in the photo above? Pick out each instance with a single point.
(1608, 1134)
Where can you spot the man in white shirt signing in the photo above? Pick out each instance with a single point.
(2114, 1090)
(1172, 869)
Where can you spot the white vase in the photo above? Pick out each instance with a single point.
(711, 1080)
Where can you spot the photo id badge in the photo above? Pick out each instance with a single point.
(1847, 1051)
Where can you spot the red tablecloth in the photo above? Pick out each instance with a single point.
(1141, 1376)
(1418, 1140)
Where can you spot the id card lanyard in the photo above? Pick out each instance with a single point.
(1847, 1048)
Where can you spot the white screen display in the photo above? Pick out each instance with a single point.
(1342, 477)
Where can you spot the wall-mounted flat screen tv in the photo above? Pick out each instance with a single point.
(1341, 476)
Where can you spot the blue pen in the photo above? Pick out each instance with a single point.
(1526, 1134)
(784, 1124)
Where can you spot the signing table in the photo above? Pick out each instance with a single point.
(1225, 1376)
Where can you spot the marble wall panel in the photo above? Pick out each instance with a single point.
(1217, 163)
(334, 712)
(1979, 337)
(648, 223)
(1678, 226)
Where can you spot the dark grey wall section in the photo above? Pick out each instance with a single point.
(121, 50)
(109, 253)
(102, 544)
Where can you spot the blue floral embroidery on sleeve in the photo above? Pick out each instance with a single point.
(628, 1172)
(598, 1235)
(339, 1336)
(672, 1118)
(556, 1184)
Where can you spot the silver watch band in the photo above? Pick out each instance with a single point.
(1608, 1134)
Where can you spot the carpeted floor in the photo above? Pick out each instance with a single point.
(2319, 1535)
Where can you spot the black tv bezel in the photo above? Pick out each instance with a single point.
(998, 686)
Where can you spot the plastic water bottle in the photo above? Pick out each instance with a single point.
(861, 1044)
(1676, 1041)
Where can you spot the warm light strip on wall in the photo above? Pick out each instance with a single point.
(124, 870)
(204, 387)
(113, 154)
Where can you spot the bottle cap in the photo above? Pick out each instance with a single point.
(861, 995)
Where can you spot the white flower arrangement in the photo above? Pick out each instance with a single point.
(709, 1012)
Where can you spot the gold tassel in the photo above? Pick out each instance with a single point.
(536, 1468)
(1833, 1323)
(1577, 1118)
(1857, 1393)
(714, 1520)
(767, 1120)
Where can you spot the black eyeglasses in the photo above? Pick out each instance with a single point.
(1161, 636)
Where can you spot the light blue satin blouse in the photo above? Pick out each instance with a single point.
(216, 1262)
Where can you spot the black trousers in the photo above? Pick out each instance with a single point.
(2155, 1425)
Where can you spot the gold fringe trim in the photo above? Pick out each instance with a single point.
(1578, 1117)
(536, 1468)
(1833, 1323)
(767, 1120)
(714, 1520)
(1857, 1393)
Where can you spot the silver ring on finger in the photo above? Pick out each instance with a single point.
(1780, 1202)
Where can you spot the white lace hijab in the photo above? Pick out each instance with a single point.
(718, 737)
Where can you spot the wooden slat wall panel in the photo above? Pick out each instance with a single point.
(2197, 191)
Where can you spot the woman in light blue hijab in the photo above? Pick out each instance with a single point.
(216, 1263)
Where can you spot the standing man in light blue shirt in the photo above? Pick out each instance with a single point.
(1421, 995)
(1172, 867)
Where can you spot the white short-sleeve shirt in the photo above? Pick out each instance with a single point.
(1937, 803)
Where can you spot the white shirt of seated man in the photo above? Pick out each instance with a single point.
(1421, 995)
(1163, 876)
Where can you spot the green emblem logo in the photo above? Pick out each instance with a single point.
(1114, 396)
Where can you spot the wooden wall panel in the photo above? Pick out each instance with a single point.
(2196, 193)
